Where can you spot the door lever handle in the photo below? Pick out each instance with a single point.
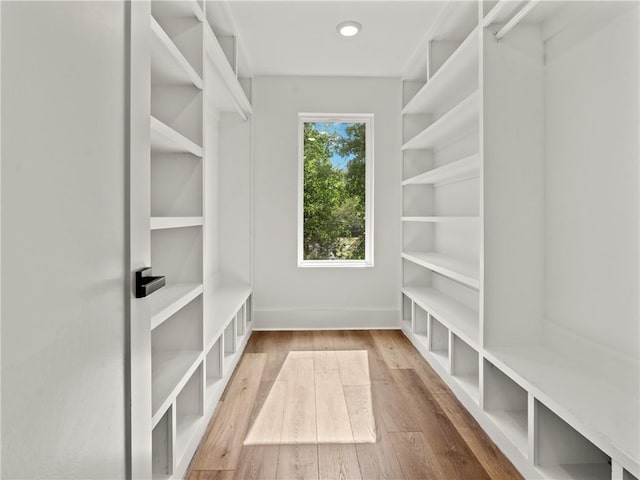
(146, 283)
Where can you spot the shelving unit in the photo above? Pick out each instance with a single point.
(503, 290)
(198, 136)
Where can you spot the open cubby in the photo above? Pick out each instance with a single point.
(229, 342)
(176, 185)
(562, 452)
(247, 310)
(626, 475)
(214, 368)
(184, 30)
(177, 254)
(465, 367)
(189, 411)
(176, 345)
(421, 323)
(506, 403)
(180, 108)
(439, 342)
(241, 326)
(407, 314)
(162, 447)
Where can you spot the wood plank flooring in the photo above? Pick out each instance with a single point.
(342, 405)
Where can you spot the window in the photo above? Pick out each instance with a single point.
(335, 190)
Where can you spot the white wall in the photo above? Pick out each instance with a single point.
(286, 296)
(591, 186)
(63, 239)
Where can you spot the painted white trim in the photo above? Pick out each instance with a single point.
(325, 319)
(368, 120)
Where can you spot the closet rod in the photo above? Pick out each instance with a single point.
(516, 18)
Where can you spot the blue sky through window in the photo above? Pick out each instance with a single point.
(337, 161)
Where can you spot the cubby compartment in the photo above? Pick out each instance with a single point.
(465, 368)
(439, 342)
(247, 311)
(179, 108)
(162, 447)
(214, 369)
(183, 27)
(421, 324)
(176, 185)
(563, 453)
(176, 348)
(241, 326)
(626, 475)
(407, 312)
(229, 342)
(189, 411)
(177, 254)
(506, 403)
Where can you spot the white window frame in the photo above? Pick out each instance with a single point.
(367, 119)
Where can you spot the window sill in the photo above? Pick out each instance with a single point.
(335, 264)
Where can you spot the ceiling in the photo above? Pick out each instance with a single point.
(298, 37)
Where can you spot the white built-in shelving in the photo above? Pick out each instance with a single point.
(200, 321)
(456, 123)
(502, 292)
(459, 270)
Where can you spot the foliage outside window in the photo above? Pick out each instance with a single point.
(335, 214)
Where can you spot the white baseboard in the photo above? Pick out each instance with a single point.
(325, 319)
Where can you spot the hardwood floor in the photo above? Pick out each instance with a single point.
(342, 405)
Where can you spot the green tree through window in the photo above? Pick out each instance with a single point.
(334, 197)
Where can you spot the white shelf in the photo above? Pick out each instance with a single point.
(165, 139)
(514, 426)
(469, 383)
(170, 371)
(440, 219)
(162, 223)
(170, 299)
(601, 412)
(460, 319)
(501, 12)
(460, 120)
(168, 65)
(227, 300)
(185, 429)
(442, 357)
(229, 94)
(178, 8)
(578, 471)
(468, 167)
(458, 73)
(459, 270)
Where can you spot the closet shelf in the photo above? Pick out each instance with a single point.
(463, 169)
(162, 223)
(178, 9)
(600, 411)
(460, 120)
(500, 13)
(448, 219)
(165, 139)
(469, 383)
(458, 74)
(513, 423)
(170, 299)
(230, 96)
(459, 270)
(185, 430)
(168, 65)
(226, 301)
(460, 319)
(170, 370)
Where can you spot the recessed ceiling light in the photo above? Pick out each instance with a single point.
(349, 28)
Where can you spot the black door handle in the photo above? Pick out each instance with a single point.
(146, 284)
